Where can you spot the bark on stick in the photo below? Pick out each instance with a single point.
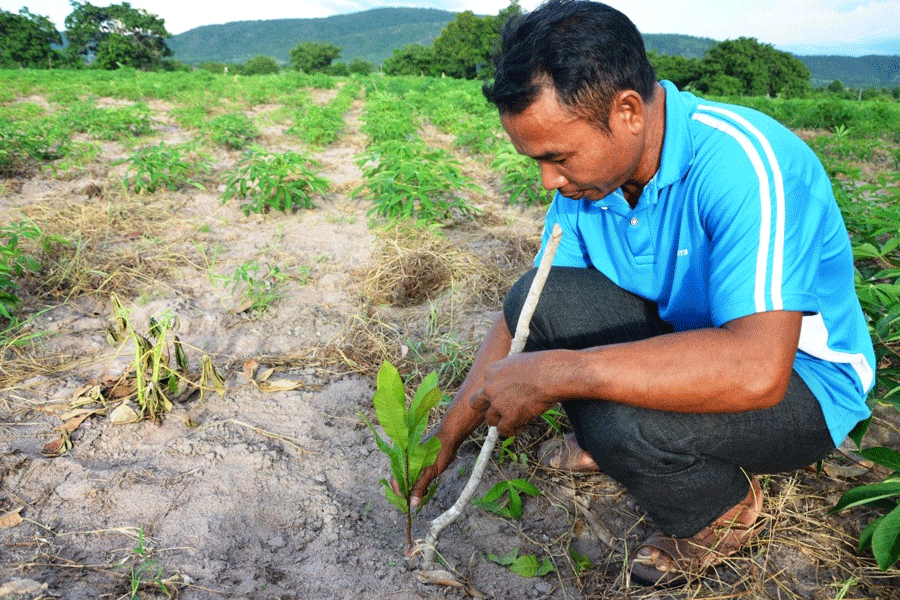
(518, 343)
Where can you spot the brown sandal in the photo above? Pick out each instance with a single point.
(564, 454)
(711, 545)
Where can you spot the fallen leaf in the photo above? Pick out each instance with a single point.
(11, 519)
(280, 385)
(265, 374)
(124, 414)
(242, 307)
(57, 447)
(250, 368)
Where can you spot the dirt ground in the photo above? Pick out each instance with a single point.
(262, 494)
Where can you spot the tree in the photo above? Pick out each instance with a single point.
(412, 59)
(359, 66)
(311, 57)
(116, 36)
(260, 65)
(836, 87)
(26, 40)
(465, 45)
(681, 71)
(752, 69)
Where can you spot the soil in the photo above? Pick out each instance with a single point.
(262, 494)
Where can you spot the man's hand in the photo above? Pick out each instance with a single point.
(516, 390)
(446, 455)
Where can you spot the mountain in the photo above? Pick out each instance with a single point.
(372, 35)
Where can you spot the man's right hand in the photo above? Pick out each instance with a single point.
(446, 455)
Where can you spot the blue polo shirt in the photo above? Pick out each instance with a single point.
(739, 219)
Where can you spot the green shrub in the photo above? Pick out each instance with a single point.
(232, 130)
(163, 167)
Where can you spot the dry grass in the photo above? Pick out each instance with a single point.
(111, 243)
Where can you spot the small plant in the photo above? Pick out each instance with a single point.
(881, 536)
(510, 506)
(259, 288)
(526, 565)
(14, 262)
(520, 179)
(409, 456)
(233, 130)
(146, 573)
(280, 181)
(163, 167)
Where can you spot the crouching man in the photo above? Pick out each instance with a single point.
(699, 325)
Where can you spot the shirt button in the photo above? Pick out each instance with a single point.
(634, 221)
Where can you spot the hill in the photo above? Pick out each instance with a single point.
(372, 35)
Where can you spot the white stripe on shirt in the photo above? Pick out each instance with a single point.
(765, 199)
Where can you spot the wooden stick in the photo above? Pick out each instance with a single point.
(518, 343)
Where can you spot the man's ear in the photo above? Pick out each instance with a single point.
(628, 111)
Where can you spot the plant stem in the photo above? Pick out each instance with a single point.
(518, 343)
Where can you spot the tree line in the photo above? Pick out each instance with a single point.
(120, 35)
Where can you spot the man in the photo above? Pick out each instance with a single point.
(700, 323)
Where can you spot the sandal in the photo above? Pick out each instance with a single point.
(676, 557)
(564, 454)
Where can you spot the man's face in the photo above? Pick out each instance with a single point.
(576, 157)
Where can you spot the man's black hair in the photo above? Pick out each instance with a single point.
(587, 51)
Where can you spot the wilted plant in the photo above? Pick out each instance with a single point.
(280, 181)
(409, 456)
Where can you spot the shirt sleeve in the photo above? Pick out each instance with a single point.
(762, 230)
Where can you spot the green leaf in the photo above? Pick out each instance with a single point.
(505, 559)
(581, 562)
(421, 456)
(886, 540)
(390, 404)
(866, 494)
(416, 409)
(885, 457)
(393, 498)
(515, 504)
(865, 536)
(859, 431)
(524, 486)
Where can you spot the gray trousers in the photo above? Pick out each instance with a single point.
(684, 469)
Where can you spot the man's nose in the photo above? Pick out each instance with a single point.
(551, 178)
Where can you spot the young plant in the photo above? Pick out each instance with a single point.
(260, 288)
(510, 506)
(280, 181)
(526, 565)
(147, 573)
(233, 130)
(14, 262)
(163, 167)
(881, 536)
(404, 426)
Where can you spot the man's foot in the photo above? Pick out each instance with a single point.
(665, 560)
(565, 454)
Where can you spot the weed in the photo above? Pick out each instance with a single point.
(409, 456)
(259, 289)
(146, 573)
(163, 167)
(280, 181)
(526, 565)
(505, 498)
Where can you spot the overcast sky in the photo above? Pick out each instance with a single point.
(847, 27)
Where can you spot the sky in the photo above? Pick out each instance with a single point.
(845, 27)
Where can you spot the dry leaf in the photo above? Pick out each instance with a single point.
(243, 306)
(57, 447)
(280, 385)
(124, 414)
(250, 368)
(265, 374)
(11, 519)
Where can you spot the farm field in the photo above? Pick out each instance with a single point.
(252, 218)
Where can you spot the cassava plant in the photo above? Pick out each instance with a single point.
(404, 426)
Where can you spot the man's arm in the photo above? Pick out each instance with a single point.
(745, 364)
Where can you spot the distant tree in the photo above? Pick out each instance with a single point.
(260, 65)
(26, 40)
(337, 69)
(759, 68)
(465, 45)
(359, 66)
(836, 87)
(311, 57)
(116, 36)
(681, 71)
(412, 59)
